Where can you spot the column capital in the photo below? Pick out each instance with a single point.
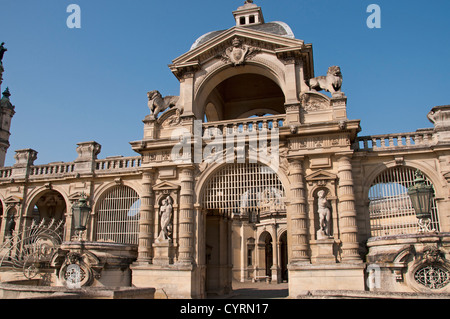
(343, 155)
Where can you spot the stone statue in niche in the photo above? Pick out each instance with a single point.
(11, 225)
(165, 213)
(332, 82)
(324, 212)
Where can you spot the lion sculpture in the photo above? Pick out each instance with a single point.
(332, 82)
(158, 104)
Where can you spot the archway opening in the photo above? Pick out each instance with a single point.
(218, 253)
(284, 257)
(390, 208)
(239, 201)
(242, 96)
(266, 251)
(48, 205)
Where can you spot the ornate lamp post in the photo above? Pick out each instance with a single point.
(81, 212)
(421, 195)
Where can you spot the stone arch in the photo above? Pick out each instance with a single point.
(211, 112)
(36, 195)
(266, 250)
(432, 175)
(224, 72)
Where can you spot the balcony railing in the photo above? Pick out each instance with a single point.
(394, 141)
(118, 163)
(57, 170)
(51, 169)
(253, 125)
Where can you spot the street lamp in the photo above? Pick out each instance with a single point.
(421, 194)
(81, 212)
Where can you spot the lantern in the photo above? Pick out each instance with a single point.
(81, 212)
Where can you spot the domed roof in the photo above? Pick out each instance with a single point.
(274, 27)
(250, 16)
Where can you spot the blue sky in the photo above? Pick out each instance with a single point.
(77, 85)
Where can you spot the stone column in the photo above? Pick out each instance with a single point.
(145, 252)
(275, 255)
(347, 212)
(297, 214)
(186, 221)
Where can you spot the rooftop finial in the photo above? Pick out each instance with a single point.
(2, 51)
(6, 93)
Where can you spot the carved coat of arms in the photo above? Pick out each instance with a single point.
(238, 53)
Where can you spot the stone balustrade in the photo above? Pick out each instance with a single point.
(5, 172)
(58, 170)
(421, 138)
(51, 169)
(253, 125)
(118, 163)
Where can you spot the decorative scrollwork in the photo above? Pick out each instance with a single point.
(33, 248)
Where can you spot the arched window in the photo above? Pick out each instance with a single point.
(118, 216)
(390, 208)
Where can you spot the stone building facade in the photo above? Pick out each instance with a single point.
(254, 172)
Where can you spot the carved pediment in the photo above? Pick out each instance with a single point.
(166, 186)
(76, 196)
(251, 41)
(13, 200)
(321, 176)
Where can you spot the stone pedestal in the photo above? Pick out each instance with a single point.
(323, 251)
(150, 126)
(172, 281)
(335, 276)
(163, 253)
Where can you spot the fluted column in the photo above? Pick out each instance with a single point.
(186, 221)
(347, 212)
(298, 215)
(145, 252)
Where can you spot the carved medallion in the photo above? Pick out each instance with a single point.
(238, 53)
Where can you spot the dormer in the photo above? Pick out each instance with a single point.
(248, 14)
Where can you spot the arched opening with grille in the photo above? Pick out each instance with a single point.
(390, 208)
(249, 189)
(118, 216)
